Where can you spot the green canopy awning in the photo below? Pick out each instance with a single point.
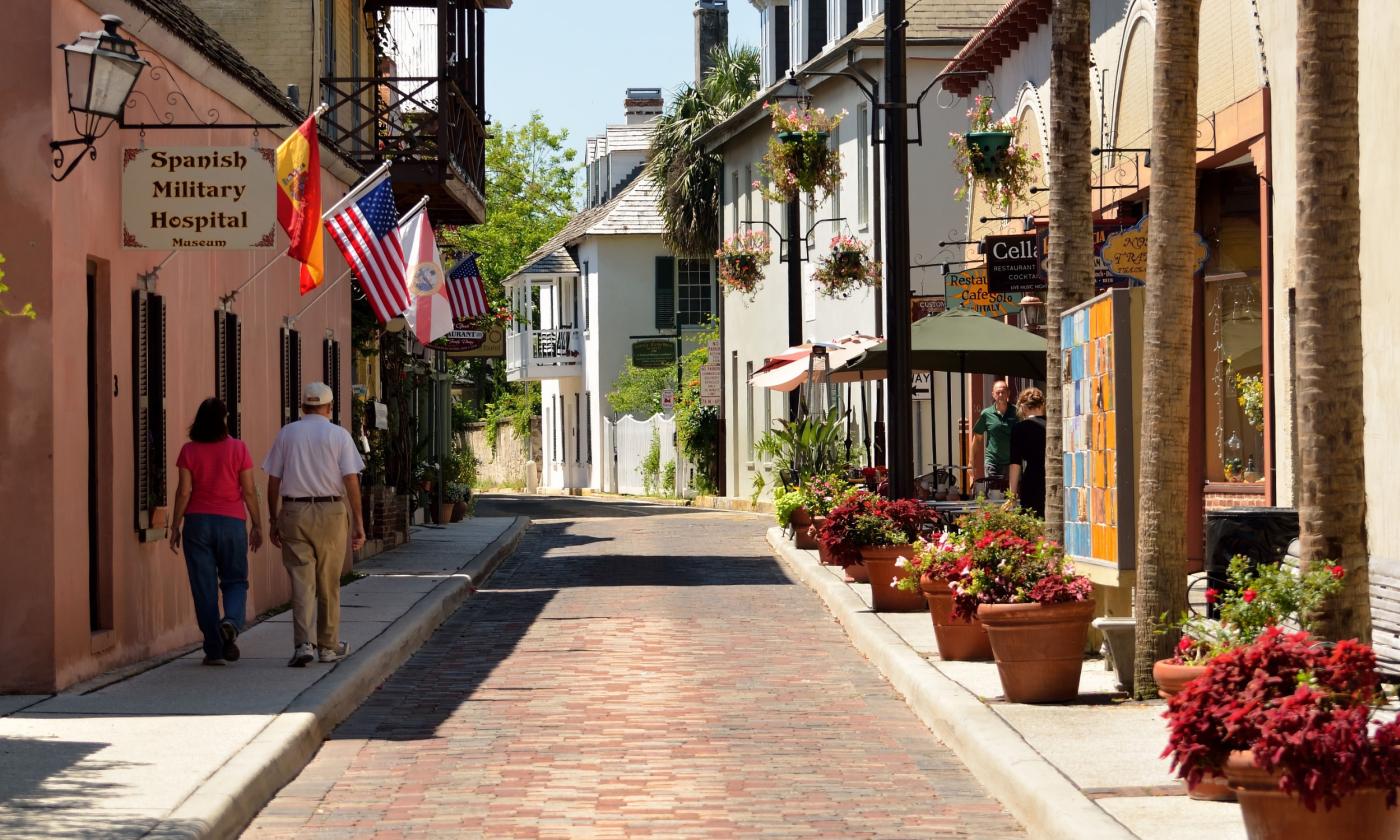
(960, 341)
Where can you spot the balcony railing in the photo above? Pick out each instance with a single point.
(424, 125)
(543, 354)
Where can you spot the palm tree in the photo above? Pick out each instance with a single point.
(1071, 259)
(689, 176)
(1166, 390)
(1331, 469)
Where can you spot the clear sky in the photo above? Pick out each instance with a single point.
(573, 61)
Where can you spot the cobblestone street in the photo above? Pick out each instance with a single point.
(635, 671)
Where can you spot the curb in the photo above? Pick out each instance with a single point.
(234, 794)
(1036, 793)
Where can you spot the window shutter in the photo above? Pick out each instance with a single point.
(330, 365)
(220, 356)
(141, 408)
(665, 293)
(588, 427)
(234, 366)
(294, 398)
(156, 348)
(285, 359)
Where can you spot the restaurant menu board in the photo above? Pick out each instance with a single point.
(1096, 345)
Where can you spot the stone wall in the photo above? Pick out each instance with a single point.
(503, 466)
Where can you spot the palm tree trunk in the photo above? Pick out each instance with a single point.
(1071, 258)
(1166, 394)
(1331, 506)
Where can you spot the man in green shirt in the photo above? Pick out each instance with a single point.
(992, 447)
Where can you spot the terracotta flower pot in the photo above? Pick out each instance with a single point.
(959, 640)
(459, 511)
(1039, 648)
(814, 534)
(880, 564)
(1172, 678)
(856, 573)
(1271, 814)
(801, 524)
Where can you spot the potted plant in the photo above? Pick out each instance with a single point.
(938, 562)
(787, 507)
(820, 496)
(741, 261)
(1036, 611)
(800, 158)
(846, 267)
(1289, 721)
(878, 533)
(989, 157)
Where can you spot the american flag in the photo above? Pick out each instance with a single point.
(465, 290)
(365, 227)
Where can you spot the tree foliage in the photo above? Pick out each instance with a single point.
(689, 176)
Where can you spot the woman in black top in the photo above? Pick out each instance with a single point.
(1028, 452)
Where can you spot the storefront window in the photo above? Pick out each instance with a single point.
(1234, 364)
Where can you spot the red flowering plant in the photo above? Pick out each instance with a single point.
(1303, 709)
(948, 555)
(1255, 600)
(1002, 567)
(866, 520)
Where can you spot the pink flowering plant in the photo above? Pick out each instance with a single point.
(1004, 180)
(948, 554)
(800, 158)
(1256, 600)
(741, 261)
(846, 267)
(1002, 567)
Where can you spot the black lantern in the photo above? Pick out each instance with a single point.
(1032, 313)
(102, 68)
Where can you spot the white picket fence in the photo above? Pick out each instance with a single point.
(628, 440)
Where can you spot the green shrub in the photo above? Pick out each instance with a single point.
(651, 464)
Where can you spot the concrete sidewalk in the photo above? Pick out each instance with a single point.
(181, 750)
(1091, 770)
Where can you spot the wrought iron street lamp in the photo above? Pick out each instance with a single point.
(1033, 313)
(102, 68)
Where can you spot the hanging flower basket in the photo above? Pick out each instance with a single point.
(800, 158)
(989, 158)
(847, 267)
(741, 261)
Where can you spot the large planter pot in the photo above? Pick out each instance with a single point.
(814, 532)
(459, 511)
(1171, 679)
(856, 573)
(1120, 634)
(959, 640)
(1039, 648)
(988, 147)
(1271, 814)
(880, 564)
(801, 524)
(445, 513)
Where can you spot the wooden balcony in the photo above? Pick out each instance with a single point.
(544, 354)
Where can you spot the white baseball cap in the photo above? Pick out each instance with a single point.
(317, 393)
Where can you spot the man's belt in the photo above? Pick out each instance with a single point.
(310, 498)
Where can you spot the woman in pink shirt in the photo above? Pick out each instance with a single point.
(216, 486)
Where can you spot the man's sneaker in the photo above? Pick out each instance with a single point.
(303, 656)
(336, 653)
(229, 632)
(209, 660)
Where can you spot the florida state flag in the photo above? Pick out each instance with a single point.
(299, 201)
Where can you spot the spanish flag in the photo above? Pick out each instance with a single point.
(299, 201)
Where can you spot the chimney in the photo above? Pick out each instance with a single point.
(711, 30)
(642, 104)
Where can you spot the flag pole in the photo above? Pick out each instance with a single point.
(292, 319)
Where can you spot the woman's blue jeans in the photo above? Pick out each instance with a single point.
(216, 556)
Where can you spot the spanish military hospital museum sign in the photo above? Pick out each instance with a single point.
(199, 198)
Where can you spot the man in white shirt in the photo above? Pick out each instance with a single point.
(313, 475)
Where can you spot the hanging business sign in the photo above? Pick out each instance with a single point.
(1125, 252)
(199, 198)
(469, 341)
(1013, 264)
(968, 290)
(1104, 277)
(654, 353)
(922, 306)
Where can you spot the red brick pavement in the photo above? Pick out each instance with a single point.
(635, 676)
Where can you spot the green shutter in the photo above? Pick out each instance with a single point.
(665, 293)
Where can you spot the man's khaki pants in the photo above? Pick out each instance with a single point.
(313, 550)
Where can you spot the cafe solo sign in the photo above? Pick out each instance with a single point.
(199, 198)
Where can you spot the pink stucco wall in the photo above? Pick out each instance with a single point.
(48, 232)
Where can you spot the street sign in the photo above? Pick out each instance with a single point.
(654, 353)
(710, 401)
(715, 353)
(668, 399)
(923, 385)
(710, 381)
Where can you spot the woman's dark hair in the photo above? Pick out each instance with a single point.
(210, 422)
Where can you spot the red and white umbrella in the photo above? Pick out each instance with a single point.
(787, 370)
